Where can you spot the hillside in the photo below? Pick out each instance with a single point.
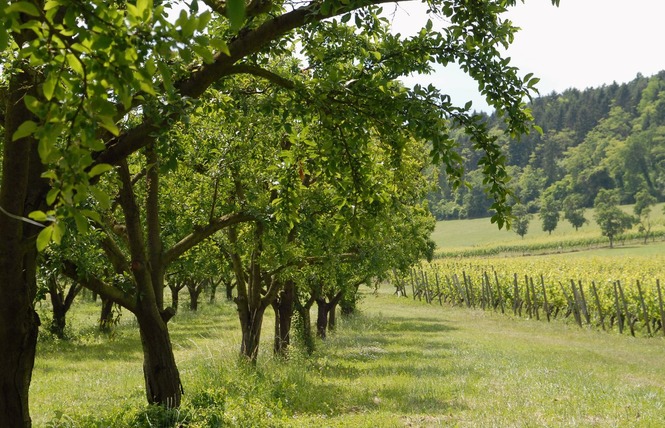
(612, 137)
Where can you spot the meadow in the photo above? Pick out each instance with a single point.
(397, 363)
(479, 236)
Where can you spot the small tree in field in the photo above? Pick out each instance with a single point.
(573, 210)
(644, 202)
(611, 220)
(549, 213)
(522, 220)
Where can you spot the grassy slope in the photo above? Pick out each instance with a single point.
(461, 234)
(401, 363)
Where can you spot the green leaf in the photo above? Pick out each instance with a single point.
(165, 71)
(45, 149)
(44, 238)
(204, 53)
(144, 8)
(101, 197)
(82, 224)
(25, 129)
(38, 216)
(51, 195)
(75, 64)
(23, 7)
(99, 169)
(235, 11)
(49, 86)
(93, 215)
(108, 123)
(59, 230)
(50, 4)
(32, 104)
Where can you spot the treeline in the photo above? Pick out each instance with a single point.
(611, 137)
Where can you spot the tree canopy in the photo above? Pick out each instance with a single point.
(101, 99)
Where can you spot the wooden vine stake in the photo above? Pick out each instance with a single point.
(535, 300)
(618, 309)
(546, 306)
(516, 296)
(600, 308)
(625, 308)
(645, 313)
(438, 287)
(498, 292)
(660, 306)
(585, 310)
(576, 303)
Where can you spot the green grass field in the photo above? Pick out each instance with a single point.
(399, 363)
(458, 235)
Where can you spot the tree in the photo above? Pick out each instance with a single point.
(612, 221)
(521, 220)
(573, 210)
(549, 213)
(644, 203)
(73, 72)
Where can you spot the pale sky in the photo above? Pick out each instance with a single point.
(580, 44)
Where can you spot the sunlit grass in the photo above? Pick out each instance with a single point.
(459, 235)
(398, 363)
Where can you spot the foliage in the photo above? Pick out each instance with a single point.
(611, 137)
(573, 210)
(612, 221)
(549, 213)
(522, 220)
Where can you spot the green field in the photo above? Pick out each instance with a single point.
(399, 363)
(460, 235)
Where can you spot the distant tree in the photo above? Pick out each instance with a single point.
(644, 202)
(549, 213)
(573, 210)
(521, 220)
(612, 221)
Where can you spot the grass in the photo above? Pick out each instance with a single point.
(453, 236)
(398, 363)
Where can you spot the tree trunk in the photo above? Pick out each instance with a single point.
(60, 305)
(195, 289)
(162, 379)
(229, 290)
(283, 307)
(321, 318)
(305, 324)
(21, 192)
(251, 320)
(59, 321)
(106, 317)
(332, 321)
(175, 294)
(175, 298)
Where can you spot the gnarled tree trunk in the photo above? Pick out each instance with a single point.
(22, 191)
(60, 305)
(283, 307)
(162, 379)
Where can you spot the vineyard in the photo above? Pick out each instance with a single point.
(613, 294)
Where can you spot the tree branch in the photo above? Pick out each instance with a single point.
(194, 85)
(263, 73)
(201, 233)
(93, 283)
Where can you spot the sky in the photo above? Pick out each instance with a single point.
(580, 44)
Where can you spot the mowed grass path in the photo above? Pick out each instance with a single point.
(399, 363)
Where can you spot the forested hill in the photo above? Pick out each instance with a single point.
(611, 137)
